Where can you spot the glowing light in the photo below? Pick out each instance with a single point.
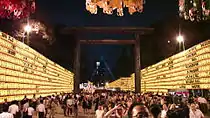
(180, 38)
(28, 28)
(169, 41)
(98, 63)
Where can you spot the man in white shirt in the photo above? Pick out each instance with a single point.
(13, 109)
(69, 104)
(41, 109)
(70, 101)
(100, 112)
(5, 113)
(30, 111)
(195, 113)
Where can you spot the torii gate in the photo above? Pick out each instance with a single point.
(113, 30)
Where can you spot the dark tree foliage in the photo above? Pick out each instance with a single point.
(84, 66)
(62, 50)
(125, 64)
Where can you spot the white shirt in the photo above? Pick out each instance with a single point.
(30, 111)
(6, 115)
(63, 97)
(13, 109)
(196, 114)
(163, 114)
(41, 108)
(70, 102)
(25, 106)
(77, 95)
(99, 113)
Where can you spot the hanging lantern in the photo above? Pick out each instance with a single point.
(16, 9)
(194, 10)
(109, 6)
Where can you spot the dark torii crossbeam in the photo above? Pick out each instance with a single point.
(113, 30)
(107, 41)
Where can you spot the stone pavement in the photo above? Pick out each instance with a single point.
(59, 114)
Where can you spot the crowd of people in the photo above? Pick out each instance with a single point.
(109, 105)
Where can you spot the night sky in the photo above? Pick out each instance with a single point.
(73, 13)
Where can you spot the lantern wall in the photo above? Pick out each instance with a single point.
(124, 83)
(189, 69)
(24, 71)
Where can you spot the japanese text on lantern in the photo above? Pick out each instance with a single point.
(24, 71)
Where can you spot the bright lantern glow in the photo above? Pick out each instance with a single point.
(180, 38)
(27, 28)
(107, 83)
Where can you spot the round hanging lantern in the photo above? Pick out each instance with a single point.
(16, 9)
(194, 10)
(109, 6)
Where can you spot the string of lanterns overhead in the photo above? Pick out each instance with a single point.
(16, 9)
(194, 10)
(109, 6)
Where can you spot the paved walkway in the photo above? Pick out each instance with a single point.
(59, 114)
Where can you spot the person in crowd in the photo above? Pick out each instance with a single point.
(34, 101)
(184, 112)
(25, 108)
(46, 102)
(64, 104)
(195, 113)
(112, 105)
(89, 104)
(41, 109)
(112, 113)
(52, 108)
(5, 113)
(164, 111)
(203, 104)
(176, 99)
(155, 110)
(84, 105)
(100, 112)
(14, 109)
(69, 104)
(76, 104)
(96, 101)
(30, 111)
(138, 110)
(5, 104)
